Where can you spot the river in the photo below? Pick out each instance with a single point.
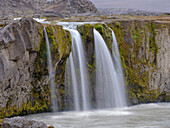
(139, 116)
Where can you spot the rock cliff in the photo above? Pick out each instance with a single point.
(24, 79)
(144, 54)
(24, 75)
(145, 58)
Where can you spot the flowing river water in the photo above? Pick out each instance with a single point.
(139, 116)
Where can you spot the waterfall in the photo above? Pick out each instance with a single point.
(119, 71)
(77, 74)
(109, 92)
(51, 74)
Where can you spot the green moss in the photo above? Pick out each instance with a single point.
(39, 99)
(60, 39)
(152, 44)
(60, 44)
(133, 61)
(118, 24)
(100, 28)
(1, 120)
(86, 32)
(1, 123)
(135, 37)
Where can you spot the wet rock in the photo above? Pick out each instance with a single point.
(24, 77)
(20, 122)
(144, 52)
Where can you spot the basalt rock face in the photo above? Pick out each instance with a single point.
(144, 54)
(49, 8)
(145, 58)
(24, 78)
(19, 43)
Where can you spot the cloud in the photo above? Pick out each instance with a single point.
(147, 5)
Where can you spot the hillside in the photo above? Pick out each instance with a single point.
(57, 8)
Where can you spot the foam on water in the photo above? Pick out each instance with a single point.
(143, 116)
(73, 25)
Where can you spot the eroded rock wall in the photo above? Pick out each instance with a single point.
(144, 50)
(145, 58)
(24, 78)
(19, 44)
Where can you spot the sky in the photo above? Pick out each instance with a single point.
(145, 5)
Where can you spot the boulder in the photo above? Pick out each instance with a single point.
(21, 122)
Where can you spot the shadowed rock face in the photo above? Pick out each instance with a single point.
(56, 8)
(24, 79)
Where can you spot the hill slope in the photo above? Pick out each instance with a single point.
(59, 8)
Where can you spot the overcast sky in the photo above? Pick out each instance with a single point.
(147, 5)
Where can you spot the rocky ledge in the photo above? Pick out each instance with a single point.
(24, 78)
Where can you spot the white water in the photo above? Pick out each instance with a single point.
(119, 71)
(140, 116)
(78, 73)
(108, 86)
(73, 25)
(51, 74)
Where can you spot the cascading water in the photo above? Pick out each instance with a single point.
(51, 74)
(119, 71)
(78, 75)
(109, 92)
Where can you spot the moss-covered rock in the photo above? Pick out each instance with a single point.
(60, 45)
(141, 45)
(28, 91)
(138, 44)
(86, 32)
(24, 69)
(1, 123)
